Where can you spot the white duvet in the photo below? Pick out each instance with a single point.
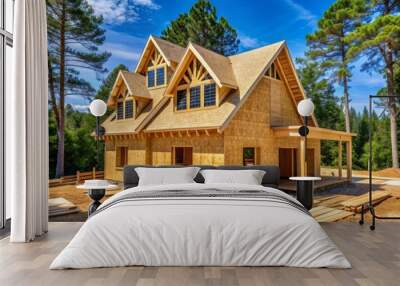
(200, 231)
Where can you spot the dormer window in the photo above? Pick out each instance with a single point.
(196, 89)
(181, 99)
(129, 108)
(195, 97)
(156, 71)
(125, 107)
(120, 108)
(150, 78)
(210, 95)
(161, 76)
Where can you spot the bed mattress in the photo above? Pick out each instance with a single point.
(201, 225)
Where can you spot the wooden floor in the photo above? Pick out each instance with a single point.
(375, 257)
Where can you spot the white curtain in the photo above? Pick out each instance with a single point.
(27, 131)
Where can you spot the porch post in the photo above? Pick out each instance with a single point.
(349, 159)
(340, 151)
(302, 156)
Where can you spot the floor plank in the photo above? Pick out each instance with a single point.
(375, 257)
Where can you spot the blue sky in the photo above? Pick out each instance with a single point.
(259, 22)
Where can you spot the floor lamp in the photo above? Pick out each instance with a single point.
(370, 206)
(305, 108)
(305, 185)
(97, 108)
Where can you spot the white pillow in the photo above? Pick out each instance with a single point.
(166, 176)
(248, 177)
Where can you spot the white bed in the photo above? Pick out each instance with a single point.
(202, 231)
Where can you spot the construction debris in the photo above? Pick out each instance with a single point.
(61, 206)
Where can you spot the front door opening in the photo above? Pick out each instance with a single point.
(183, 156)
(288, 162)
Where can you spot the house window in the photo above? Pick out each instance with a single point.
(195, 97)
(209, 94)
(273, 72)
(249, 156)
(161, 76)
(129, 109)
(120, 109)
(150, 78)
(181, 99)
(182, 156)
(201, 89)
(122, 156)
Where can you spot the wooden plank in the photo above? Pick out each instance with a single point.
(63, 212)
(321, 199)
(360, 200)
(320, 210)
(333, 215)
(334, 201)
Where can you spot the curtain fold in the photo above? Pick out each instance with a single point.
(27, 125)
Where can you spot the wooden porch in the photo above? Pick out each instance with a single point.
(321, 134)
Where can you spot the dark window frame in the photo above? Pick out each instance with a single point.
(206, 86)
(182, 155)
(195, 97)
(158, 83)
(178, 107)
(153, 78)
(129, 107)
(249, 159)
(120, 108)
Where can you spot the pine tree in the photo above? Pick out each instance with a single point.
(379, 41)
(202, 26)
(361, 140)
(327, 110)
(74, 35)
(321, 91)
(328, 44)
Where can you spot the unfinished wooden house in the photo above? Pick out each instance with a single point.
(194, 106)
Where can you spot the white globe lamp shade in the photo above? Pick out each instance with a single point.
(305, 107)
(98, 107)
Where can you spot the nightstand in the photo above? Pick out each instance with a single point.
(96, 190)
(305, 190)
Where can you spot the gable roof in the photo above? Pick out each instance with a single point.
(218, 66)
(249, 67)
(240, 73)
(243, 70)
(170, 52)
(134, 82)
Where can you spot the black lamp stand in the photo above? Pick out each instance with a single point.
(370, 206)
(97, 140)
(303, 131)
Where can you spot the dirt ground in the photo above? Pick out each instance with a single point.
(359, 186)
(77, 197)
(388, 173)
